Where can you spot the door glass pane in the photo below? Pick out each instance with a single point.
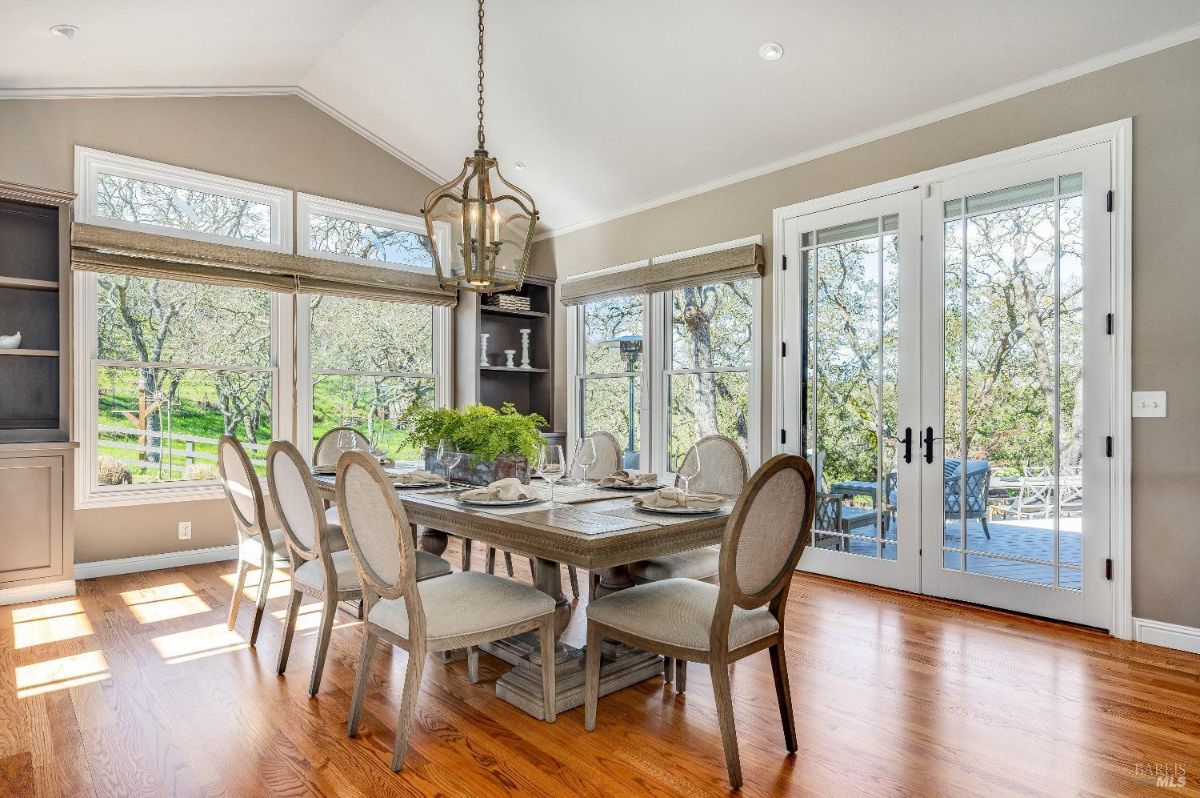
(1012, 485)
(612, 405)
(612, 346)
(850, 413)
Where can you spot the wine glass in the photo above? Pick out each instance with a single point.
(585, 456)
(550, 466)
(447, 456)
(689, 469)
(347, 441)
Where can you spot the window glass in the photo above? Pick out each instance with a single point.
(375, 242)
(144, 202)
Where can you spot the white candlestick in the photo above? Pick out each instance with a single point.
(525, 349)
(483, 361)
(510, 353)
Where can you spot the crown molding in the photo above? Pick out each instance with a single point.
(1069, 72)
(116, 92)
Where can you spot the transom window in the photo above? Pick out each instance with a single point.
(131, 193)
(345, 231)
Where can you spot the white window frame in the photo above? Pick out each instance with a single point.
(308, 204)
(656, 366)
(443, 372)
(88, 494)
(90, 163)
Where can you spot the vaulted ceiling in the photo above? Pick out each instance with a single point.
(611, 105)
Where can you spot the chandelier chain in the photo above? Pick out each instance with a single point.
(479, 85)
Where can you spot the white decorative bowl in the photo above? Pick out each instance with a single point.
(10, 341)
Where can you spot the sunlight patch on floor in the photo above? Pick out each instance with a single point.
(164, 602)
(49, 623)
(197, 643)
(61, 673)
(281, 583)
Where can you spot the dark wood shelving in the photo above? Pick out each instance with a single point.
(30, 352)
(517, 369)
(32, 285)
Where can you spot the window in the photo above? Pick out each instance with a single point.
(120, 191)
(176, 365)
(371, 361)
(345, 231)
(698, 348)
(610, 381)
(709, 365)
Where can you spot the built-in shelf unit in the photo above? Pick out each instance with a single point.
(36, 455)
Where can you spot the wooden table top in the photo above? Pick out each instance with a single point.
(585, 528)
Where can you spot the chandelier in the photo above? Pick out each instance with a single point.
(480, 225)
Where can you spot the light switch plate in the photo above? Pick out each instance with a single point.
(1149, 404)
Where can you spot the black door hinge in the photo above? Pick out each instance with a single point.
(785, 263)
(1108, 570)
(783, 436)
(783, 349)
(1108, 324)
(1108, 446)
(1110, 201)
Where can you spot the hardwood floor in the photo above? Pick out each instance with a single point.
(136, 688)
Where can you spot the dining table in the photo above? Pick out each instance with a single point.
(587, 526)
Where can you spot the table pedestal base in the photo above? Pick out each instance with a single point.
(621, 666)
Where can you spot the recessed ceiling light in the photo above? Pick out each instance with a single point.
(771, 51)
(519, 165)
(64, 31)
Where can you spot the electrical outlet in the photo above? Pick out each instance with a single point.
(185, 530)
(1149, 404)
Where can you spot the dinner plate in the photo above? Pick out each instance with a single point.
(410, 485)
(677, 510)
(644, 488)
(498, 502)
(324, 470)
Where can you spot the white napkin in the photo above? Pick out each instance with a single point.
(625, 479)
(418, 477)
(668, 498)
(505, 490)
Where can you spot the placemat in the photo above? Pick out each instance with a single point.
(661, 518)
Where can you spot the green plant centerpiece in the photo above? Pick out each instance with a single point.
(497, 443)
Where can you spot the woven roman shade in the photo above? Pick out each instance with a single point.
(722, 265)
(116, 251)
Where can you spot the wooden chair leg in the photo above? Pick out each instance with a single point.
(328, 612)
(668, 670)
(681, 676)
(724, 701)
(508, 563)
(473, 664)
(591, 678)
(243, 569)
(549, 650)
(360, 682)
(289, 628)
(260, 605)
(490, 560)
(783, 693)
(466, 554)
(593, 584)
(408, 702)
(532, 571)
(573, 575)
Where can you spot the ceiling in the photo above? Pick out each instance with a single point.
(611, 105)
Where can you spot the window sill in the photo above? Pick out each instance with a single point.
(132, 497)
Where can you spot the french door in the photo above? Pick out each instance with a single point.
(948, 339)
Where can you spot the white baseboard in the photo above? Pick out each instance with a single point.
(154, 562)
(38, 592)
(1171, 635)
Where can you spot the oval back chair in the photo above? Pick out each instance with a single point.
(329, 446)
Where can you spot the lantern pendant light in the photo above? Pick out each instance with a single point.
(480, 225)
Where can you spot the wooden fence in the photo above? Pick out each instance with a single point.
(188, 452)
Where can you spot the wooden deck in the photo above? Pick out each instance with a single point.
(135, 688)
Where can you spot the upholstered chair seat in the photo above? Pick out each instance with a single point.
(468, 604)
(679, 613)
(251, 548)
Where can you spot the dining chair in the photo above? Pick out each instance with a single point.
(461, 610)
(691, 620)
(329, 446)
(258, 545)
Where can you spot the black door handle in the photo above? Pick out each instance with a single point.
(929, 444)
(907, 441)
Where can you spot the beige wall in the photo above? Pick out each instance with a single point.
(281, 141)
(1162, 94)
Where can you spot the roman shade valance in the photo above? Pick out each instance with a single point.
(733, 263)
(108, 249)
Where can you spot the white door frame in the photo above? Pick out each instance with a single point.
(1119, 135)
